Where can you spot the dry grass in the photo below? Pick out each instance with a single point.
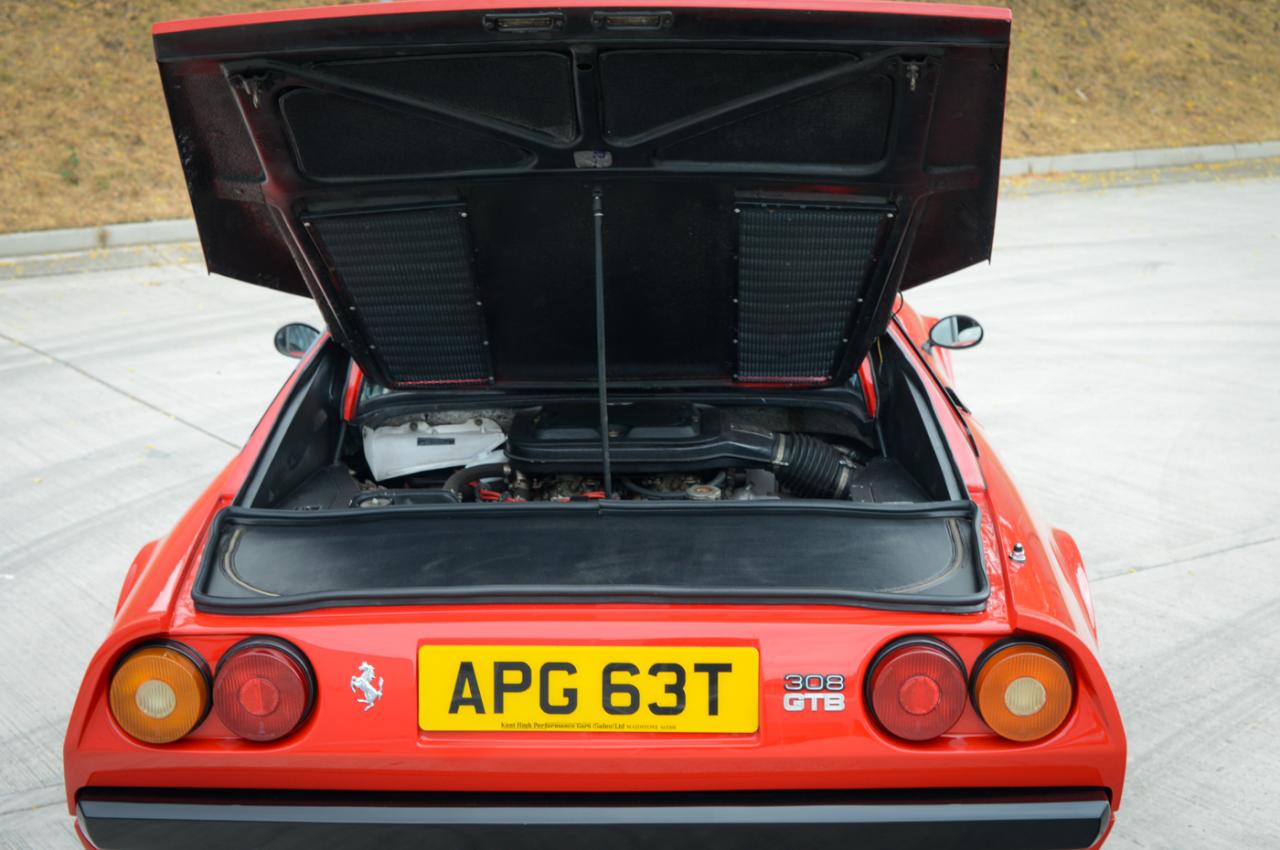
(1089, 75)
(85, 139)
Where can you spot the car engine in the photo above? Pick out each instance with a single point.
(658, 451)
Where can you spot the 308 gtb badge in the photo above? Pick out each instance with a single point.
(813, 692)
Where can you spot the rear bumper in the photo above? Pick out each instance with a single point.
(1041, 820)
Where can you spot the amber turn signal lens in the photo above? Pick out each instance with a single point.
(1023, 691)
(159, 693)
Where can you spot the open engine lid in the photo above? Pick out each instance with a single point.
(767, 176)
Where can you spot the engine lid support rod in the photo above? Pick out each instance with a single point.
(597, 217)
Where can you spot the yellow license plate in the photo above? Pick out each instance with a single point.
(588, 688)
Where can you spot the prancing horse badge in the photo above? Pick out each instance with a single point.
(370, 694)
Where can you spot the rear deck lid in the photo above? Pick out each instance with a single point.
(767, 178)
(274, 561)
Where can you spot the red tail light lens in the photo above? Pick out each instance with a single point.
(263, 689)
(916, 688)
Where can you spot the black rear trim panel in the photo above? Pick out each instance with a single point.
(1070, 819)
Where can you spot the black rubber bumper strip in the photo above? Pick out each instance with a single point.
(1057, 820)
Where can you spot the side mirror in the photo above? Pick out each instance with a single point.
(294, 339)
(954, 332)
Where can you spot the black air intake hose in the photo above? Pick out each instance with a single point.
(467, 474)
(810, 468)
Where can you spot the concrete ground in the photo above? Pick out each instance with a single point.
(1128, 378)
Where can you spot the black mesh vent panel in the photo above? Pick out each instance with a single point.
(530, 90)
(848, 125)
(691, 81)
(339, 138)
(800, 273)
(408, 274)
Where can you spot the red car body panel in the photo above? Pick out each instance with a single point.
(339, 748)
(342, 747)
(938, 10)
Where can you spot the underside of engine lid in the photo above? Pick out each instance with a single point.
(764, 181)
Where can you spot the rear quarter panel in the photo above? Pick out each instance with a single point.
(1047, 593)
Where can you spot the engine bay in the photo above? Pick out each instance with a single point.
(675, 451)
(709, 495)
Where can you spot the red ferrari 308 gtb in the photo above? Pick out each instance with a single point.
(624, 503)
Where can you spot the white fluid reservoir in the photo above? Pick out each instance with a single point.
(397, 450)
